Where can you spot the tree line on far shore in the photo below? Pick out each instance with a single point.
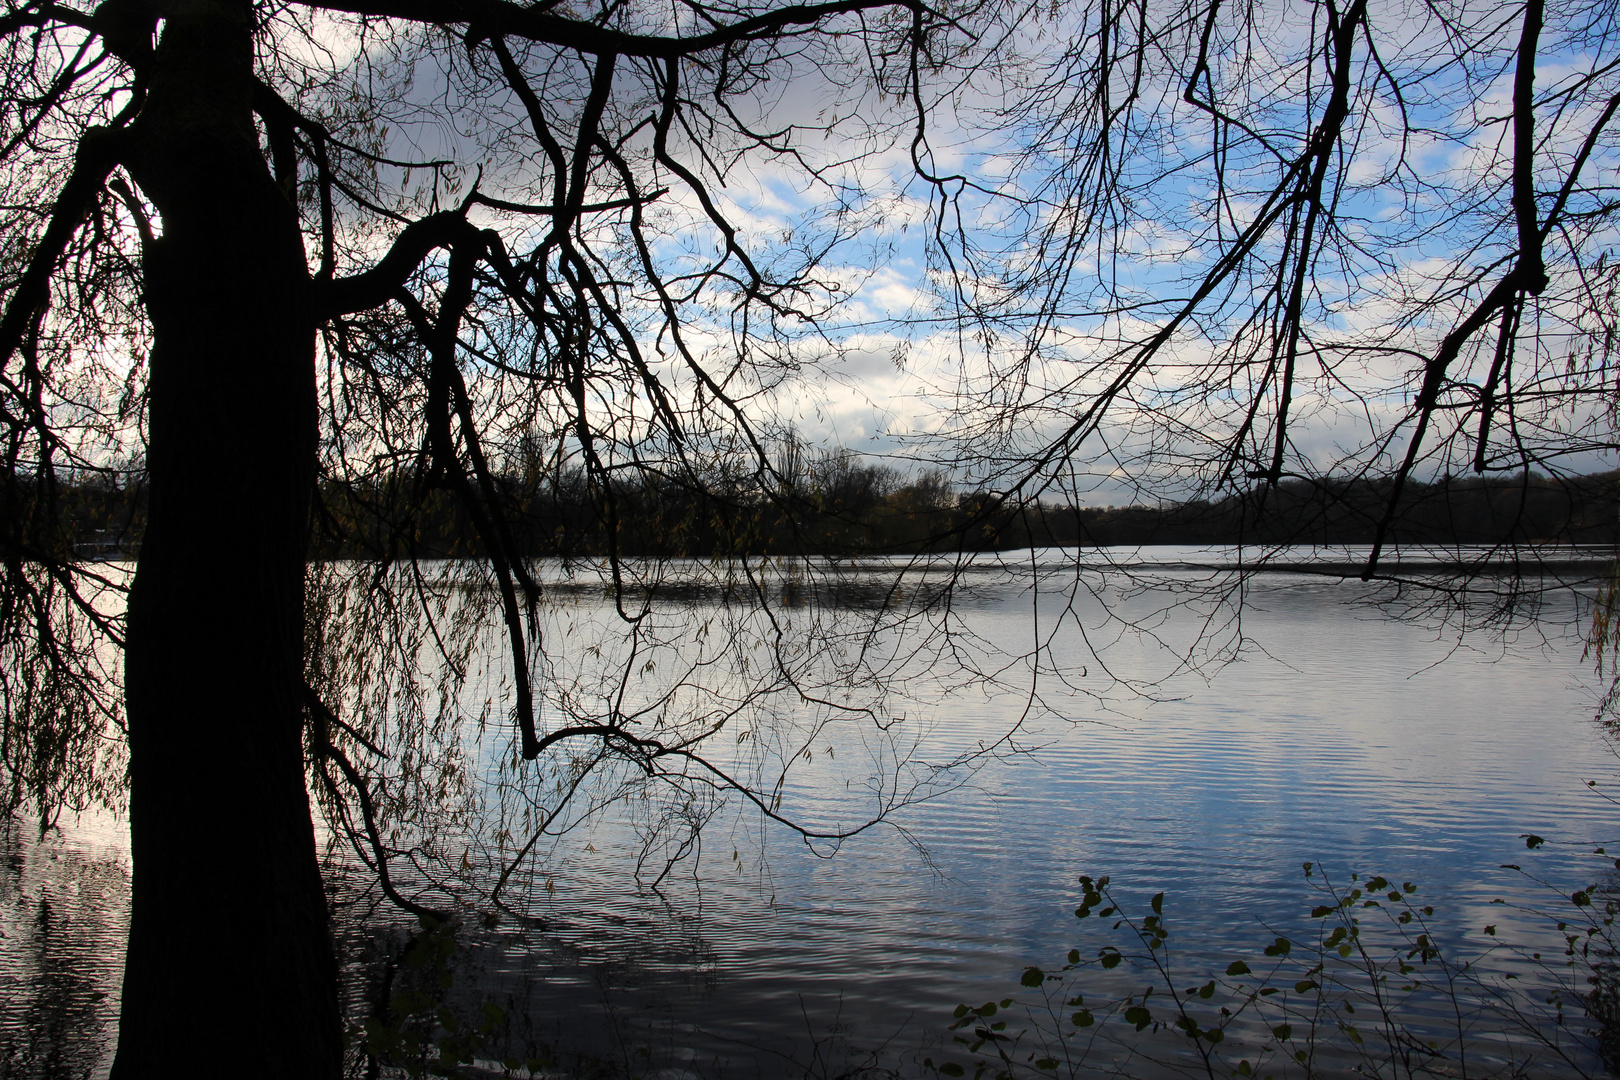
(844, 506)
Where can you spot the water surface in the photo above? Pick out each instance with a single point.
(1331, 733)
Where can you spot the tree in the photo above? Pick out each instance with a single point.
(341, 269)
(248, 244)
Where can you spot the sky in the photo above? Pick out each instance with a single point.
(892, 367)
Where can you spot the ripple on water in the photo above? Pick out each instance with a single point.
(1336, 740)
(64, 911)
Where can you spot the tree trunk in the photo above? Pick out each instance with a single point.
(230, 969)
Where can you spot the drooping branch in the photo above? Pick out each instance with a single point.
(447, 397)
(500, 18)
(1531, 269)
(647, 752)
(1342, 32)
(374, 287)
(94, 161)
(1505, 338)
(1556, 213)
(322, 720)
(1527, 278)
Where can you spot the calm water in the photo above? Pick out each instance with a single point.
(1337, 735)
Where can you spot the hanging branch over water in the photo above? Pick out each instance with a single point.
(1231, 258)
(319, 276)
(251, 272)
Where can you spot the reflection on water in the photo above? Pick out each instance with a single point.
(1339, 737)
(64, 917)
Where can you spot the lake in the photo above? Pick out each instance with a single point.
(1315, 728)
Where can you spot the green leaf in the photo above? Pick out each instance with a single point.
(1283, 1031)
(951, 1068)
(1280, 947)
(1533, 841)
(1237, 967)
(1110, 958)
(961, 1011)
(1139, 1016)
(1304, 986)
(1032, 977)
(1158, 903)
(1083, 1018)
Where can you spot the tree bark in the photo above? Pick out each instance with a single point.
(230, 968)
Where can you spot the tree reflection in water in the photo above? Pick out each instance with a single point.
(64, 914)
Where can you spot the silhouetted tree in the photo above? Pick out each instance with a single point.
(382, 272)
(260, 244)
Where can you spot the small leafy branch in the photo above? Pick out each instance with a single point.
(1368, 993)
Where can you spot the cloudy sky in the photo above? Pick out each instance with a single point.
(1421, 223)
